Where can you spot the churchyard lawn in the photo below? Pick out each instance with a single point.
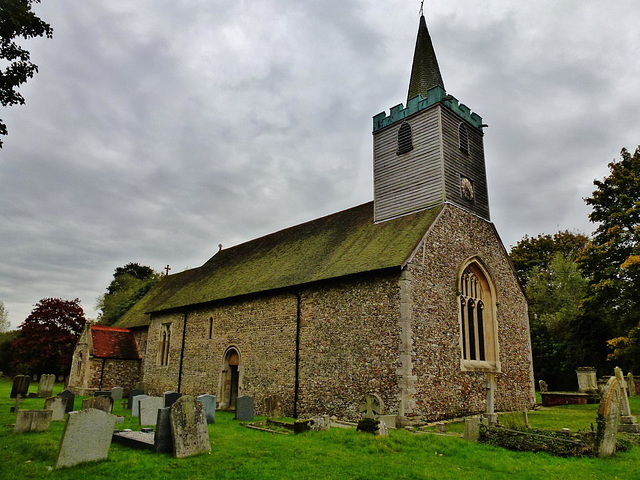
(238, 452)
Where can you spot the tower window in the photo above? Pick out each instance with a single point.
(405, 142)
(210, 328)
(463, 138)
(165, 341)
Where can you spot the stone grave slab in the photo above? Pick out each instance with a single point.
(57, 405)
(135, 405)
(610, 408)
(189, 427)
(170, 398)
(209, 403)
(149, 407)
(163, 441)
(138, 440)
(244, 408)
(86, 437)
(133, 393)
(71, 398)
(116, 393)
(45, 386)
(100, 403)
(20, 386)
(32, 421)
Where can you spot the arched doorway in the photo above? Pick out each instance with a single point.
(230, 379)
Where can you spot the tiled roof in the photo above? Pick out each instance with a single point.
(344, 243)
(112, 342)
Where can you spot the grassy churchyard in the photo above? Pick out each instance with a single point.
(238, 452)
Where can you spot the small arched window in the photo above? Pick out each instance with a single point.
(165, 341)
(463, 138)
(405, 142)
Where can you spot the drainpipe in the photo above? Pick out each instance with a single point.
(297, 377)
(184, 333)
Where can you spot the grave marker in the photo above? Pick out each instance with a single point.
(20, 386)
(116, 393)
(86, 437)
(372, 406)
(149, 407)
(631, 384)
(71, 398)
(135, 406)
(32, 421)
(610, 407)
(189, 427)
(170, 398)
(587, 379)
(209, 404)
(133, 393)
(57, 405)
(100, 403)
(273, 406)
(163, 440)
(45, 387)
(244, 408)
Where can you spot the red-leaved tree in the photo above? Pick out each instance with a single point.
(48, 337)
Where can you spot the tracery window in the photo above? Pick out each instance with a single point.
(165, 340)
(405, 141)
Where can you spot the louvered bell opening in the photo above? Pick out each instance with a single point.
(405, 142)
(464, 139)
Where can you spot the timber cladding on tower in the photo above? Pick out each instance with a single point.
(412, 296)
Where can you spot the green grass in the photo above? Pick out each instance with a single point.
(240, 453)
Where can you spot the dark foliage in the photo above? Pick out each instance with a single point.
(368, 425)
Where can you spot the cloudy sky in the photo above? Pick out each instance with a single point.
(156, 130)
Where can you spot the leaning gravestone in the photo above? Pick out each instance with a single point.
(610, 407)
(86, 437)
(116, 393)
(20, 386)
(45, 387)
(163, 439)
(244, 408)
(132, 394)
(149, 407)
(100, 403)
(71, 398)
(135, 406)
(32, 421)
(209, 404)
(170, 398)
(57, 405)
(189, 428)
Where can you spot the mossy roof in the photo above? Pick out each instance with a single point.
(344, 243)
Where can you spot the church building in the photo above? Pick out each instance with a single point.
(411, 297)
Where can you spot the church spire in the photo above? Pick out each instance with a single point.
(425, 73)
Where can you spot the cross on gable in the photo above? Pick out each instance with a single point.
(166, 269)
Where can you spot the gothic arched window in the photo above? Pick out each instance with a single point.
(463, 138)
(165, 343)
(405, 142)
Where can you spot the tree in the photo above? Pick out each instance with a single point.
(4, 318)
(17, 20)
(612, 259)
(48, 337)
(130, 283)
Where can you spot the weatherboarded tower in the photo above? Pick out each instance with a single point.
(430, 151)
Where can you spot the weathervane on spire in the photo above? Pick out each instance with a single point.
(421, 12)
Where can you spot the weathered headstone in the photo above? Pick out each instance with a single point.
(57, 405)
(244, 408)
(372, 406)
(441, 427)
(71, 398)
(163, 440)
(587, 379)
(116, 393)
(135, 405)
(133, 393)
(32, 421)
(273, 406)
(86, 437)
(100, 403)
(20, 386)
(170, 398)
(544, 388)
(321, 424)
(389, 420)
(631, 385)
(626, 408)
(472, 428)
(189, 427)
(209, 404)
(610, 407)
(149, 407)
(45, 387)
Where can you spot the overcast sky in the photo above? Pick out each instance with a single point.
(156, 130)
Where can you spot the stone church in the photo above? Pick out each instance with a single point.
(411, 297)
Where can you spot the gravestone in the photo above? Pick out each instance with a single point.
(631, 384)
(472, 428)
(382, 429)
(86, 437)
(57, 405)
(321, 424)
(209, 404)
(244, 408)
(273, 406)
(543, 386)
(133, 393)
(189, 427)
(20, 386)
(116, 393)
(163, 440)
(389, 421)
(135, 406)
(100, 403)
(149, 407)
(610, 408)
(587, 380)
(45, 387)
(71, 398)
(628, 422)
(372, 406)
(170, 398)
(32, 421)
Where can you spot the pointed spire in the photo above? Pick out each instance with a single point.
(425, 73)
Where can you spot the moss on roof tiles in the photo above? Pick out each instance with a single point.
(344, 243)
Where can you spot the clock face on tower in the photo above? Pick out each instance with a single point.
(467, 188)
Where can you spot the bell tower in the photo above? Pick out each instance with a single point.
(431, 151)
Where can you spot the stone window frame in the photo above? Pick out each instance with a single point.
(463, 138)
(165, 344)
(485, 294)
(405, 138)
